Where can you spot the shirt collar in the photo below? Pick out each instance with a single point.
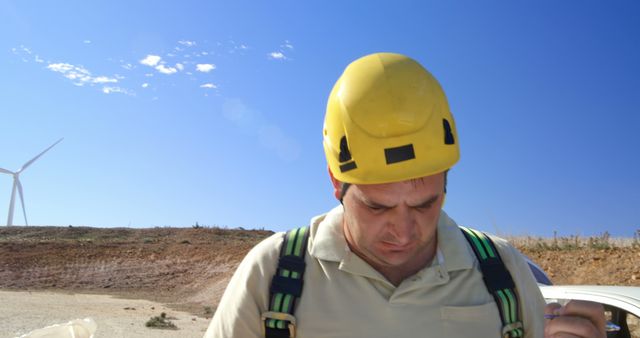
(327, 240)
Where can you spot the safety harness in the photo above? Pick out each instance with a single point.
(498, 281)
(286, 285)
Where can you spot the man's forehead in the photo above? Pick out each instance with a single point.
(412, 191)
(426, 181)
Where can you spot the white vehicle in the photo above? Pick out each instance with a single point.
(621, 303)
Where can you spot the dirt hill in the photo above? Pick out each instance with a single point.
(189, 268)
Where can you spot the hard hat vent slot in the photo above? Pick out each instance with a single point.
(448, 135)
(348, 166)
(345, 156)
(399, 154)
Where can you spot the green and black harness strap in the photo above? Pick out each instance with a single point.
(286, 285)
(498, 281)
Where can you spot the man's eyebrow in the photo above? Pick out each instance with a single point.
(374, 204)
(427, 202)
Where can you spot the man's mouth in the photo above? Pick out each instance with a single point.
(395, 246)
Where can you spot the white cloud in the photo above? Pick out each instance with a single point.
(187, 43)
(87, 41)
(151, 60)
(109, 90)
(38, 59)
(104, 79)
(60, 67)
(80, 75)
(166, 70)
(149, 75)
(205, 53)
(127, 66)
(277, 56)
(145, 85)
(287, 45)
(205, 67)
(208, 86)
(179, 66)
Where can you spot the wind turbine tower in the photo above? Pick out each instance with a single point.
(18, 186)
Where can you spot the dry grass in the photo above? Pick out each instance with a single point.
(603, 241)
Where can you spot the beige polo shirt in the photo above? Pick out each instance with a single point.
(343, 296)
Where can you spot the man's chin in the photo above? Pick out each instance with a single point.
(395, 258)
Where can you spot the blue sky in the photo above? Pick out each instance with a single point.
(178, 112)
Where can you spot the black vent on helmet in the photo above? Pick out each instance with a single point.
(399, 154)
(448, 134)
(345, 156)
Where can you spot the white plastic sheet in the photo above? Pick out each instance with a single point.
(78, 328)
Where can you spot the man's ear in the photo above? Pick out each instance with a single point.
(337, 185)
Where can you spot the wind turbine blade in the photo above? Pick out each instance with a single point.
(12, 203)
(5, 171)
(24, 212)
(35, 158)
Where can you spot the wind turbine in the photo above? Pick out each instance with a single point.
(18, 186)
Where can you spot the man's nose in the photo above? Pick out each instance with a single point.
(403, 226)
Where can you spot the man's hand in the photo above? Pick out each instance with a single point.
(577, 319)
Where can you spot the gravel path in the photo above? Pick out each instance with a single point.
(23, 311)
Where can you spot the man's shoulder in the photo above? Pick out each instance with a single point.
(267, 247)
(267, 251)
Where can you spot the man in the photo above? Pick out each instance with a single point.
(388, 262)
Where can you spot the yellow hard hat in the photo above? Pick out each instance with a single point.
(388, 120)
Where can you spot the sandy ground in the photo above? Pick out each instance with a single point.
(23, 311)
(187, 269)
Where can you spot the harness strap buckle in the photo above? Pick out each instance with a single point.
(291, 320)
(509, 328)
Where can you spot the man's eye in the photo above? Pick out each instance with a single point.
(375, 208)
(424, 206)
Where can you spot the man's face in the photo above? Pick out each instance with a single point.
(392, 226)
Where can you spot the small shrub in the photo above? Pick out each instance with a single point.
(600, 242)
(161, 322)
(208, 310)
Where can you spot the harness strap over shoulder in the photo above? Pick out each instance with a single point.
(286, 285)
(498, 281)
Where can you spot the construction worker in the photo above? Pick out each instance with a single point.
(388, 261)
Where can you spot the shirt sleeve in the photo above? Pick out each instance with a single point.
(247, 294)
